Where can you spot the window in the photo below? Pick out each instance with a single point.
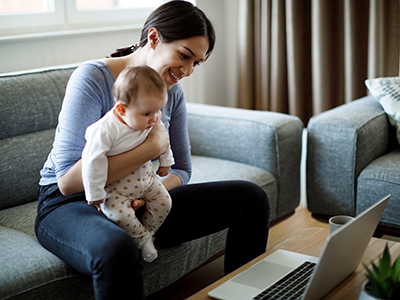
(23, 6)
(107, 11)
(31, 15)
(92, 4)
(28, 13)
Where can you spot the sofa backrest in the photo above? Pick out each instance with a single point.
(29, 106)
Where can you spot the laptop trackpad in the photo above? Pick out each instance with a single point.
(262, 274)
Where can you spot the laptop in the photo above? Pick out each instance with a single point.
(313, 277)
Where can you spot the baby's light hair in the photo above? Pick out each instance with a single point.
(132, 79)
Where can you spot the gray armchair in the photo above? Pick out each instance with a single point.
(353, 159)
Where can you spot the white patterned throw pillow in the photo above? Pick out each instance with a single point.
(387, 91)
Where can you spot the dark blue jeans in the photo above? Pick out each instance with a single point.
(95, 246)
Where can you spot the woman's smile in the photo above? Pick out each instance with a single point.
(179, 58)
(174, 76)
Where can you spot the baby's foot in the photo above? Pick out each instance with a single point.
(149, 253)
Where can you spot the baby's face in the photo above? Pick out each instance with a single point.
(144, 112)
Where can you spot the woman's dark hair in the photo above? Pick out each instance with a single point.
(175, 20)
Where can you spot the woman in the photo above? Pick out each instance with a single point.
(175, 39)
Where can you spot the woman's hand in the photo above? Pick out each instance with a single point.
(158, 136)
(138, 203)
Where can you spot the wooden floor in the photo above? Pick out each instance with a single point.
(202, 277)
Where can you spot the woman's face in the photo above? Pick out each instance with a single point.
(178, 59)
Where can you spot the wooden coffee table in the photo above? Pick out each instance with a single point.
(310, 242)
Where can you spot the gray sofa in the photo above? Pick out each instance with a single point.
(353, 159)
(227, 143)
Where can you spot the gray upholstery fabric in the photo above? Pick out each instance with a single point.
(30, 151)
(24, 104)
(261, 147)
(348, 165)
(28, 270)
(341, 142)
(229, 170)
(379, 178)
(20, 218)
(267, 140)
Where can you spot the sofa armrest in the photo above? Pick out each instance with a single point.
(341, 142)
(268, 140)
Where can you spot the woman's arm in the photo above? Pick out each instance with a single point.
(175, 109)
(171, 181)
(119, 165)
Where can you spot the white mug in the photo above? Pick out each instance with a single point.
(338, 221)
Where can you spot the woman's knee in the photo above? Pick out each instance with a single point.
(251, 192)
(117, 267)
(254, 200)
(114, 250)
(259, 195)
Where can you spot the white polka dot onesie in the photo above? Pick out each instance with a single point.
(140, 184)
(108, 137)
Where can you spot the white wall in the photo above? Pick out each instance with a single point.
(213, 83)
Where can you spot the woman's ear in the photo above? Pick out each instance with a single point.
(153, 37)
(120, 107)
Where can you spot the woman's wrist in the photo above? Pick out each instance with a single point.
(171, 181)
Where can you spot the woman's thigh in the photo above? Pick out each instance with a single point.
(202, 209)
(89, 242)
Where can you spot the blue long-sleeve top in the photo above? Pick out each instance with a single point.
(88, 97)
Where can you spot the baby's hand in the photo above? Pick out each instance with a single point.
(163, 171)
(95, 203)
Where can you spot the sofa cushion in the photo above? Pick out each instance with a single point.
(28, 271)
(36, 110)
(180, 259)
(21, 218)
(387, 91)
(41, 273)
(222, 169)
(379, 178)
(20, 181)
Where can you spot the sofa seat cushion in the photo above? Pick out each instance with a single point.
(32, 272)
(21, 218)
(28, 271)
(379, 178)
(207, 169)
(30, 151)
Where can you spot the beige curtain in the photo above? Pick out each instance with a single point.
(303, 57)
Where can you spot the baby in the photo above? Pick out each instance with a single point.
(140, 94)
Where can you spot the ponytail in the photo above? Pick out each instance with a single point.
(175, 20)
(125, 51)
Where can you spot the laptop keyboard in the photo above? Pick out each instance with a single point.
(291, 286)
